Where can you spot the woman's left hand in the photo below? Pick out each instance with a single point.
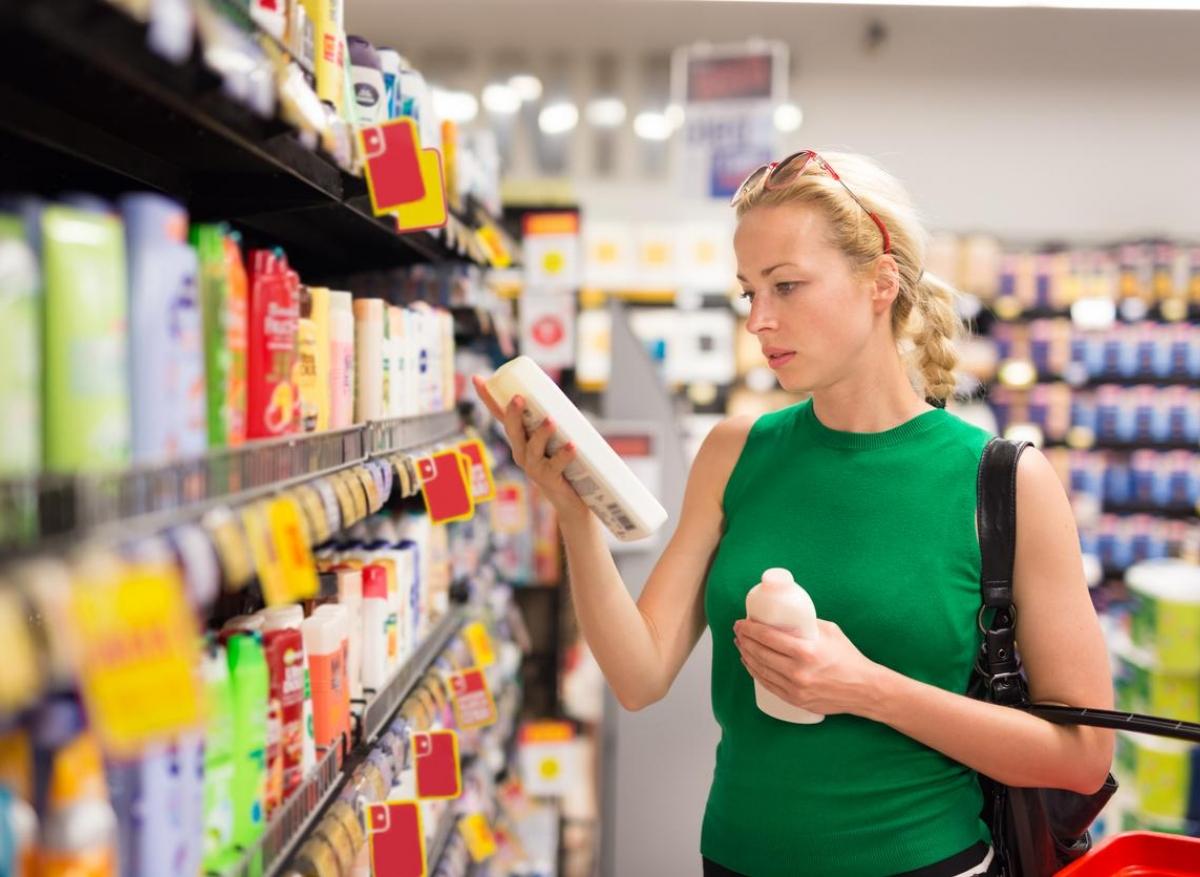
(828, 675)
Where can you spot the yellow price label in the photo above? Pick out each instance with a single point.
(136, 640)
(298, 572)
(480, 644)
(262, 548)
(481, 842)
(370, 488)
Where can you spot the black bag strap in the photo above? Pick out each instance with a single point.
(996, 517)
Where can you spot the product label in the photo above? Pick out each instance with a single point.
(136, 642)
(397, 839)
(297, 579)
(473, 703)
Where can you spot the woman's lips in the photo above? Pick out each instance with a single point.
(779, 360)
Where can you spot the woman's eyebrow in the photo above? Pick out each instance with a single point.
(767, 271)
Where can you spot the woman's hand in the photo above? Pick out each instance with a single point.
(828, 675)
(529, 452)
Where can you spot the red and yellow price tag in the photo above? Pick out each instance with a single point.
(472, 699)
(439, 771)
(445, 487)
(136, 642)
(483, 486)
(396, 838)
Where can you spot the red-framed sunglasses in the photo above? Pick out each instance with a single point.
(782, 173)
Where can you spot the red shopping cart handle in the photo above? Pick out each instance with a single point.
(1132, 722)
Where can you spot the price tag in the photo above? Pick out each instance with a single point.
(262, 548)
(345, 500)
(136, 642)
(299, 572)
(480, 644)
(397, 839)
(439, 772)
(233, 552)
(473, 703)
(481, 843)
(314, 513)
(483, 487)
(510, 511)
(493, 246)
(445, 488)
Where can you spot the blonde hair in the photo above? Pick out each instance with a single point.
(924, 318)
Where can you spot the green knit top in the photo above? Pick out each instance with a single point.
(879, 528)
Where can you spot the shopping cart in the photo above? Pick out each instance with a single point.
(1135, 853)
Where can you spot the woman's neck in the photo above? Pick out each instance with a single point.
(875, 399)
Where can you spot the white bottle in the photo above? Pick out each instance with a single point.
(291, 617)
(599, 476)
(778, 601)
(375, 623)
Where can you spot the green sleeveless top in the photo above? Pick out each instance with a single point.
(879, 528)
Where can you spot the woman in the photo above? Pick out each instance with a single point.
(866, 493)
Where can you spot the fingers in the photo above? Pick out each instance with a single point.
(535, 449)
(771, 638)
(768, 676)
(485, 396)
(560, 461)
(764, 656)
(514, 427)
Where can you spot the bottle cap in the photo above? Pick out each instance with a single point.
(778, 576)
(375, 582)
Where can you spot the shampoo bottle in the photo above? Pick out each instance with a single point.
(237, 316)
(778, 601)
(250, 685)
(368, 360)
(20, 355)
(274, 314)
(341, 360)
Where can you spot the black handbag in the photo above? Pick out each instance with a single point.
(1035, 831)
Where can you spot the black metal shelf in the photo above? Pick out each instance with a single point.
(1113, 445)
(1174, 512)
(289, 828)
(1093, 383)
(35, 511)
(88, 106)
(1154, 313)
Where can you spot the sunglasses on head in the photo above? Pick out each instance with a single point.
(779, 174)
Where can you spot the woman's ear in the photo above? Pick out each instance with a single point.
(885, 283)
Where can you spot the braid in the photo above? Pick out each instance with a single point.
(936, 336)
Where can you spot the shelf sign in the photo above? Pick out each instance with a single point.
(397, 839)
(403, 178)
(473, 703)
(137, 655)
(483, 487)
(481, 843)
(446, 486)
(480, 644)
(439, 772)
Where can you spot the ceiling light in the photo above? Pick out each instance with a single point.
(528, 87)
(558, 118)
(455, 106)
(501, 99)
(606, 112)
(652, 126)
(788, 118)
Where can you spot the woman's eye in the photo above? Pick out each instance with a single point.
(748, 294)
(785, 288)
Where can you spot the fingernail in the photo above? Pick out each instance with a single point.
(520, 403)
(570, 446)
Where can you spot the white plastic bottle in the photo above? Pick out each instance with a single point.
(375, 621)
(598, 474)
(778, 601)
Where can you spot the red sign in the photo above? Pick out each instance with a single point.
(483, 487)
(448, 495)
(439, 773)
(548, 331)
(393, 169)
(473, 704)
(397, 841)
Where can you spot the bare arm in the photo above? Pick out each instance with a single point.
(1061, 645)
(640, 646)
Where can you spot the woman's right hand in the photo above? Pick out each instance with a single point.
(529, 452)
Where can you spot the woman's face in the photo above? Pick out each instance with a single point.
(811, 314)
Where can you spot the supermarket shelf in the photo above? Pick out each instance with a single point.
(1092, 383)
(1176, 512)
(88, 106)
(1154, 313)
(441, 839)
(149, 498)
(1114, 445)
(289, 828)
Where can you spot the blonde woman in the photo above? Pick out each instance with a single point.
(866, 492)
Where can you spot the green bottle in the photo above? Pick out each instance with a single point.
(209, 242)
(86, 380)
(250, 685)
(219, 852)
(20, 358)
